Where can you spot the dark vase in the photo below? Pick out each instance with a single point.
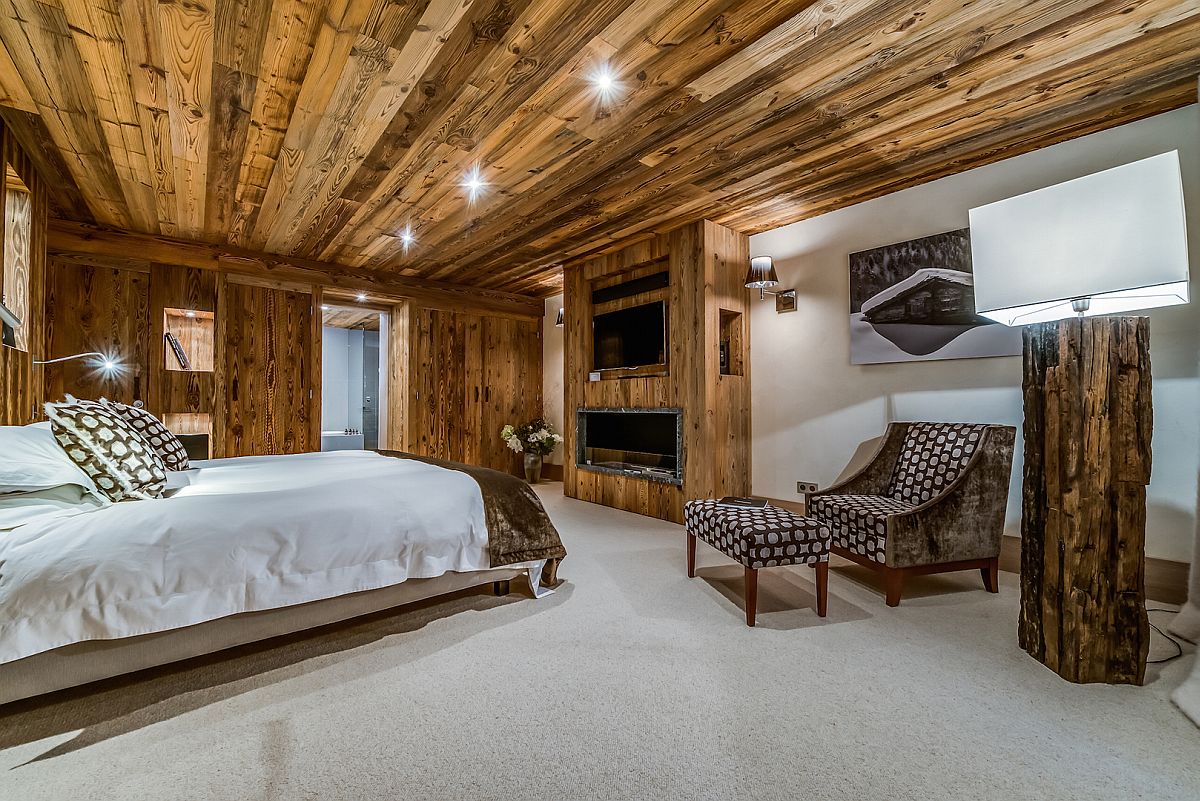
(533, 467)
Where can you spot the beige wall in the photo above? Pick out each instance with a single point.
(812, 409)
(552, 372)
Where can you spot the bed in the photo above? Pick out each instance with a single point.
(244, 549)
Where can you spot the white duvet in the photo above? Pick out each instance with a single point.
(246, 534)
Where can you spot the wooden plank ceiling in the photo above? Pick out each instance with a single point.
(346, 317)
(327, 129)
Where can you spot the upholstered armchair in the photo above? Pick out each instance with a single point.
(931, 500)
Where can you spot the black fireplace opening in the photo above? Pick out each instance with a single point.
(641, 442)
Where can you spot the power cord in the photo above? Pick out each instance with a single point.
(1178, 645)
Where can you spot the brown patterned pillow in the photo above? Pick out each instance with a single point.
(120, 463)
(151, 429)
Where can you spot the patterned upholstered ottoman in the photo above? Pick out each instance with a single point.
(766, 537)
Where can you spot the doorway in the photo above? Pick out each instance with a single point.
(353, 378)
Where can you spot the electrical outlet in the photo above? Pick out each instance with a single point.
(805, 486)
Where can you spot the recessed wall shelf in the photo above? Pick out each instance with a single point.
(730, 345)
(188, 345)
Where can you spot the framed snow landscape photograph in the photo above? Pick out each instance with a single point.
(915, 301)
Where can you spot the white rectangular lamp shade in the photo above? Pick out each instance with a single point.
(1117, 238)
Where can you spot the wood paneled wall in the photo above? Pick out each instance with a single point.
(262, 395)
(20, 380)
(268, 397)
(103, 309)
(458, 378)
(707, 265)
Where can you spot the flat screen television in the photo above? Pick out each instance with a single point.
(628, 338)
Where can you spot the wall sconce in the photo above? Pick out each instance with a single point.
(105, 363)
(9, 322)
(559, 321)
(762, 276)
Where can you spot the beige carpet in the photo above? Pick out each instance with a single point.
(631, 682)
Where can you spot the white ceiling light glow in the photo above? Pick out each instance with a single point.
(605, 82)
(473, 183)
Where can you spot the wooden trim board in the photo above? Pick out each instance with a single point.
(81, 238)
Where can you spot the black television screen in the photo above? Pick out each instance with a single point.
(633, 337)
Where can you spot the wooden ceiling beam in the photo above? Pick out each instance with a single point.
(67, 237)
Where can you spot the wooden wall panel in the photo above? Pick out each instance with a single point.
(102, 309)
(729, 253)
(265, 405)
(399, 355)
(18, 222)
(463, 377)
(20, 380)
(175, 287)
(707, 265)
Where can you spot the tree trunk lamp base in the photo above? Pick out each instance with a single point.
(1088, 421)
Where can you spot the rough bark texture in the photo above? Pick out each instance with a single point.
(1088, 421)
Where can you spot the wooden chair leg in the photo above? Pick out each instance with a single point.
(991, 575)
(822, 587)
(751, 595)
(691, 557)
(893, 580)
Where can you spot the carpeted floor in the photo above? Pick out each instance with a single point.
(632, 682)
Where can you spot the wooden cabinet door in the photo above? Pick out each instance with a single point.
(265, 402)
(512, 359)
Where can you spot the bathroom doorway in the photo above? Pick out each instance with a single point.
(353, 378)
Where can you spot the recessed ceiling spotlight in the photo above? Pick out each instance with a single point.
(604, 81)
(473, 182)
(361, 297)
(189, 313)
(324, 307)
(406, 237)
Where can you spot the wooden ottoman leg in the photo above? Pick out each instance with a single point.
(691, 549)
(991, 575)
(751, 595)
(893, 580)
(822, 587)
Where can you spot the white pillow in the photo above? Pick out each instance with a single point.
(19, 508)
(30, 460)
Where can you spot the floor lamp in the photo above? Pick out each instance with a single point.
(1069, 263)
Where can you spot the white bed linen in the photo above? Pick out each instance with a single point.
(246, 534)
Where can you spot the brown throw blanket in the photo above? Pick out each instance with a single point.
(519, 530)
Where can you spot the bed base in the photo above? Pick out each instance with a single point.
(82, 663)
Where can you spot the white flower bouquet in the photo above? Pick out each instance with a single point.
(536, 436)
